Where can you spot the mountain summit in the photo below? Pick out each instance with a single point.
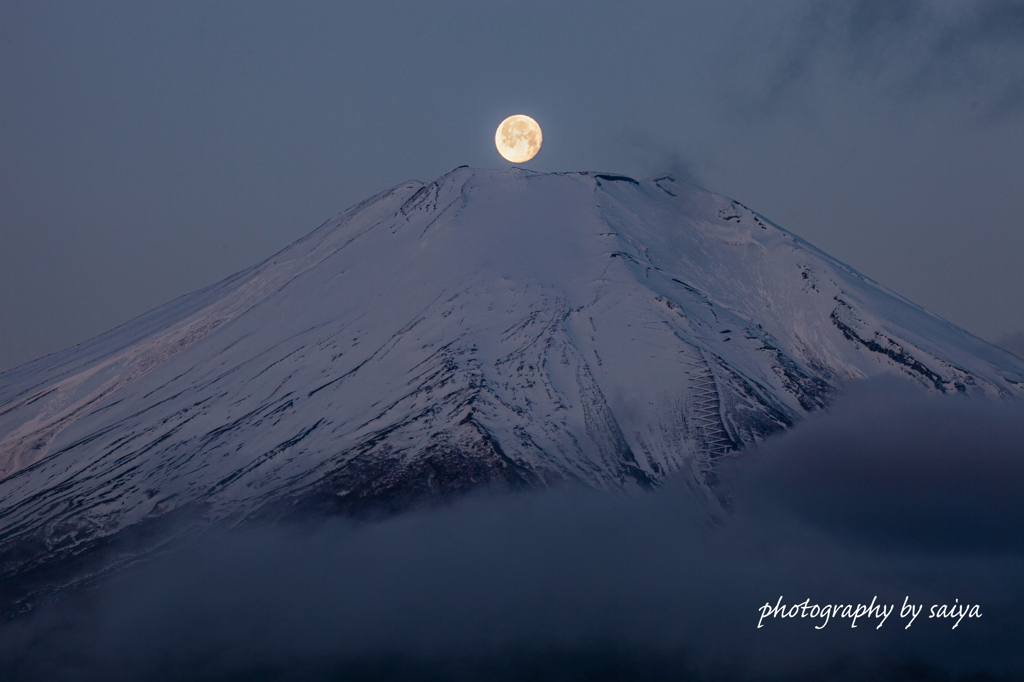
(502, 328)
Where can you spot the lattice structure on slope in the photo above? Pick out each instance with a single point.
(703, 416)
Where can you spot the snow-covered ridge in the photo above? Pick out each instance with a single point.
(487, 327)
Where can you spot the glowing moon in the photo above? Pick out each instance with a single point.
(518, 138)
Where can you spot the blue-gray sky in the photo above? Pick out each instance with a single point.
(150, 149)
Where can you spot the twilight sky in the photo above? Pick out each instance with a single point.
(150, 149)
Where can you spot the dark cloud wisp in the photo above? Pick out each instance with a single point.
(970, 51)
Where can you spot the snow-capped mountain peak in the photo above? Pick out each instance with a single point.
(489, 327)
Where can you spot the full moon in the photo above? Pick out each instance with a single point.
(518, 138)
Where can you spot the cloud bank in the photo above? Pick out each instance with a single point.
(888, 495)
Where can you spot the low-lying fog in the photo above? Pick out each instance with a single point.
(889, 495)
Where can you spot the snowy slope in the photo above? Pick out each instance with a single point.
(490, 327)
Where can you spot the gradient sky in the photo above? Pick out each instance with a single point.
(150, 149)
